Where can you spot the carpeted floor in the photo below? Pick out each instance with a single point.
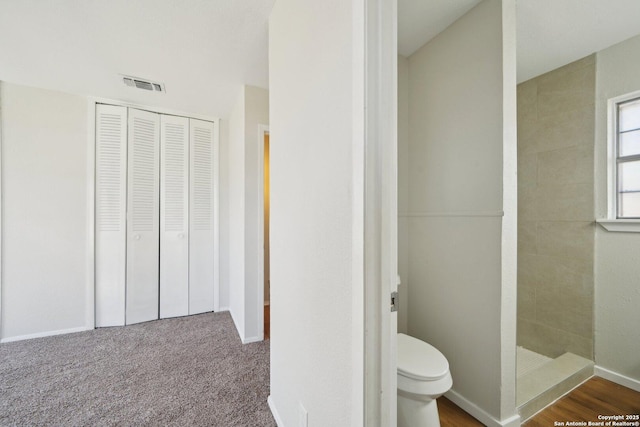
(188, 371)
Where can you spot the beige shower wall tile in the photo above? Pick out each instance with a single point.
(567, 202)
(538, 338)
(527, 171)
(566, 89)
(526, 303)
(568, 275)
(552, 342)
(564, 310)
(552, 273)
(527, 107)
(572, 165)
(556, 122)
(566, 239)
(527, 208)
(587, 61)
(528, 270)
(527, 145)
(527, 237)
(527, 93)
(567, 129)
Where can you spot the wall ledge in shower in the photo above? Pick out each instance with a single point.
(620, 225)
(453, 214)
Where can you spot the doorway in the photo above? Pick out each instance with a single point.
(267, 281)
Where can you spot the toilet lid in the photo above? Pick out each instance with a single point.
(419, 360)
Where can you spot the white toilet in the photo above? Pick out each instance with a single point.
(423, 376)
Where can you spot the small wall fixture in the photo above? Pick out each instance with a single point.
(144, 84)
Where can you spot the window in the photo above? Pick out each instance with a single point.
(623, 170)
(626, 151)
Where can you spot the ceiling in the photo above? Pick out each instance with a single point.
(205, 50)
(202, 50)
(419, 21)
(550, 33)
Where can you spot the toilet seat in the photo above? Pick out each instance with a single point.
(419, 360)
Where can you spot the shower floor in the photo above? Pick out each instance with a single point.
(528, 361)
(542, 380)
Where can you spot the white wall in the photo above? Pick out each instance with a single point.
(44, 230)
(236, 209)
(245, 211)
(256, 113)
(461, 118)
(403, 191)
(223, 212)
(46, 212)
(313, 109)
(617, 263)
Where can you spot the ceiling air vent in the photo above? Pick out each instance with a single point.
(143, 84)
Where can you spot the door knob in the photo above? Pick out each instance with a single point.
(137, 237)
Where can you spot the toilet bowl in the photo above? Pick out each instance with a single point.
(423, 376)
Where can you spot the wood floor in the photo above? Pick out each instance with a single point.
(595, 397)
(452, 416)
(267, 322)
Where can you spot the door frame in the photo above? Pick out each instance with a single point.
(90, 296)
(262, 130)
(380, 211)
(1, 208)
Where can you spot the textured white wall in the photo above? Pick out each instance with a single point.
(403, 191)
(223, 212)
(256, 103)
(44, 177)
(617, 263)
(312, 111)
(245, 211)
(456, 134)
(236, 209)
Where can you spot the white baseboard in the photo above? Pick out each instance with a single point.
(251, 339)
(274, 412)
(480, 414)
(222, 309)
(245, 340)
(617, 378)
(45, 334)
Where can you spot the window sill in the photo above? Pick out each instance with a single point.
(620, 225)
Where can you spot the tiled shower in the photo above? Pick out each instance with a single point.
(556, 133)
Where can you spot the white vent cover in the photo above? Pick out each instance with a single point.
(143, 84)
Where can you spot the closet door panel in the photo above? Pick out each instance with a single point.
(143, 217)
(110, 212)
(174, 216)
(202, 216)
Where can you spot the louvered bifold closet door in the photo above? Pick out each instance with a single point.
(174, 216)
(110, 208)
(202, 218)
(143, 217)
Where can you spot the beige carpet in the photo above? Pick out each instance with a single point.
(189, 371)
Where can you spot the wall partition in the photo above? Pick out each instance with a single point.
(155, 237)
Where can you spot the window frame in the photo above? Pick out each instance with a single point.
(619, 160)
(613, 222)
